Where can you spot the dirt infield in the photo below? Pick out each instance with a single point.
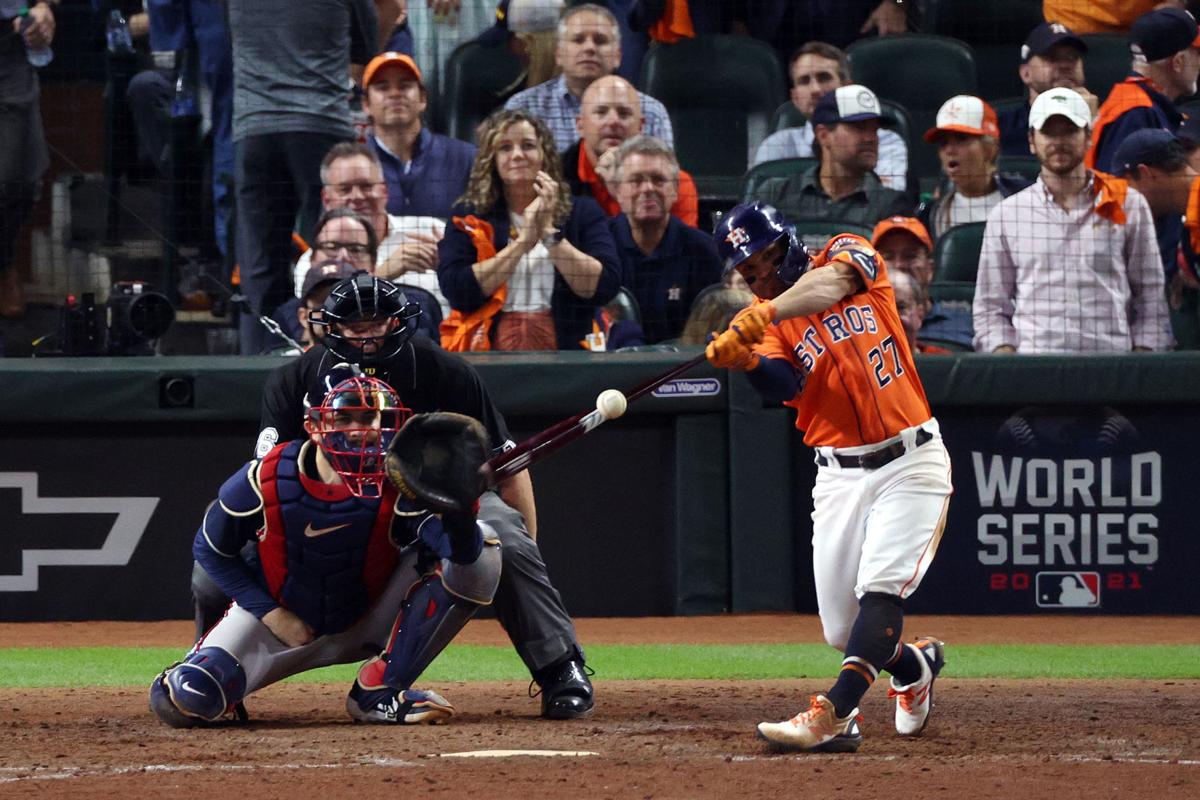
(694, 739)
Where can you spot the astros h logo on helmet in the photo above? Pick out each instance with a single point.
(738, 237)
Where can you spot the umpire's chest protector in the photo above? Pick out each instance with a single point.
(325, 560)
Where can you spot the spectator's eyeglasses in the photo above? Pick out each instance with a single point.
(657, 181)
(347, 189)
(352, 248)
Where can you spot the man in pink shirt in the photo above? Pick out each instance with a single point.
(1069, 265)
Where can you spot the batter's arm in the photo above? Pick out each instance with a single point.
(817, 290)
(517, 491)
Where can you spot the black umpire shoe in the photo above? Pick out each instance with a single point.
(566, 691)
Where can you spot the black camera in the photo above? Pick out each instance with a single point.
(134, 317)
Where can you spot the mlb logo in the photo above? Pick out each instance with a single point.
(1068, 589)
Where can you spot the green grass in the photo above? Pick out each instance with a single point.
(128, 666)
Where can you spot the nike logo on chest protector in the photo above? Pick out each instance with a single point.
(312, 532)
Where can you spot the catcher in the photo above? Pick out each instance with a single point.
(349, 561)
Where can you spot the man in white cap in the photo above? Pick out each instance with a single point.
(1069, 265)
(843, 186)
(966, 135)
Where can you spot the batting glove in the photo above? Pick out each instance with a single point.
(751, 322)
(728, 351)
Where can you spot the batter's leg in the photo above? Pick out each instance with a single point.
(839, 529)
(903, 532)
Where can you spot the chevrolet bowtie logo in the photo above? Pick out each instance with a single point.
(311, 532)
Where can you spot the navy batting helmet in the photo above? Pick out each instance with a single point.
(364, 297)
(751, 227)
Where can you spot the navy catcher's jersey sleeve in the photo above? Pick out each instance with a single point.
(230, 521)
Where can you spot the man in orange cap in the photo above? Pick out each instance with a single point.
(907, 249)
(425, 172)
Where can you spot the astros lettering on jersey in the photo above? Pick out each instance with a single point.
(856, 383)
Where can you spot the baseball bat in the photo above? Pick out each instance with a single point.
(540, 445)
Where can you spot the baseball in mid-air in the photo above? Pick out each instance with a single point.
(611, 403)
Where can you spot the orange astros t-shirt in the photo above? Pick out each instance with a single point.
(857, 381)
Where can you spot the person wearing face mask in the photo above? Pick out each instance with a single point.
(663, 262)
(1165, 45)
(523, 264)
(1051, 56)
(965, 135)
(610, 115)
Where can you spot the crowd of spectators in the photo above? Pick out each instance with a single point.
(571, 210)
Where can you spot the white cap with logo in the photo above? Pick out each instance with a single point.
(1060, 101)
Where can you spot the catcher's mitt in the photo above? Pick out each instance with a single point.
(436, 458)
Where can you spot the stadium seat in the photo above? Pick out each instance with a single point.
(628, 305)
(952, 291)
(1107, 62)
(995, 29)
(1028, 166)
(786, 116)
(919, 72)
(431, 310)
(779, 168)
(956, 254)
(719, 116)
(816, 233)
(475, 80)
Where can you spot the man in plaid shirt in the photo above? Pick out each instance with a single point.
(589, 47)
(1070, 264)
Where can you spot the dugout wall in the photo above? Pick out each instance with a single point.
(1074, 479)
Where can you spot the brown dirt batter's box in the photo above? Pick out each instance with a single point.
(661, 739)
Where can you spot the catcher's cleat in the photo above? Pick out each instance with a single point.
(397, 707)
(914, 701)
(816, 729)
(566, 691)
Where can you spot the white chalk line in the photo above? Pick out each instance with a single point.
(67, 773)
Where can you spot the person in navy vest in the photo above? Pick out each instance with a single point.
(344, 563)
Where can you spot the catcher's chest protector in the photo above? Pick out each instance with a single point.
(325, 560)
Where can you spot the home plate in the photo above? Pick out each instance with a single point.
(511, 753)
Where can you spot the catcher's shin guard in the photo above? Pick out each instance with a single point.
(428, 620)
(203, 688)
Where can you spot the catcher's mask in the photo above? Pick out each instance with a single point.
(750, 228)
(366, 319)
(355, 424)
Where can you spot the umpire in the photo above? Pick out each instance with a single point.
(367, 321)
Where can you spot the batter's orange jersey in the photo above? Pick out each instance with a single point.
(857, 383)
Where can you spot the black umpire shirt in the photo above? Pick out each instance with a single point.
(426, 377)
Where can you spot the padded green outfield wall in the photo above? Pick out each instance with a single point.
(1073, 480)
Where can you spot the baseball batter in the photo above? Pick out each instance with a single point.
(824, 337)
(345, 565)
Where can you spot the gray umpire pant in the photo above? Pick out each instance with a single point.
(527, 605)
